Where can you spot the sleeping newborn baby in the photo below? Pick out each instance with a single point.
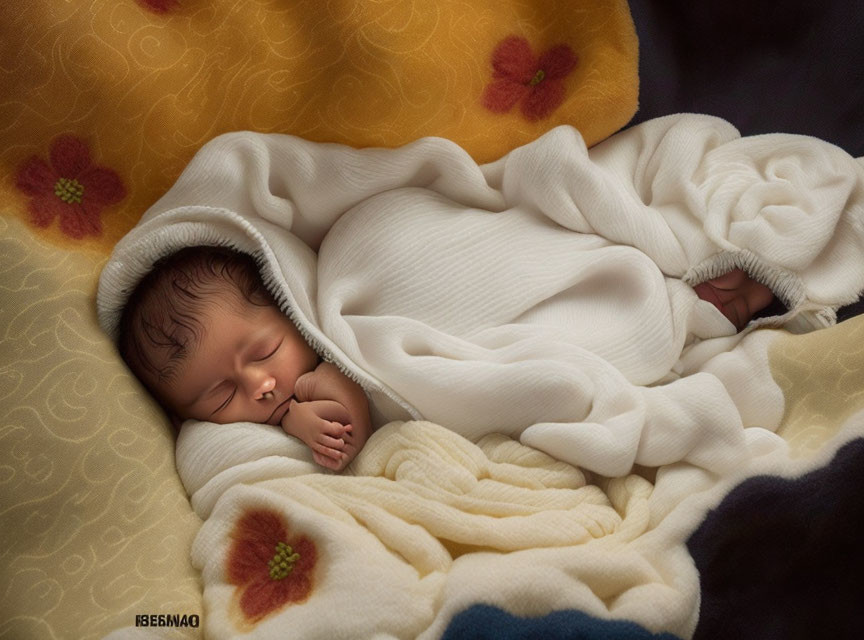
(600, 305)
(206, 338)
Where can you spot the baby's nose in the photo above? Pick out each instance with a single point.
(265, 388)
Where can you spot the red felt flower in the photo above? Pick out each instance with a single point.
(158, 6)
(520, 76)
(69, 187)
(269, 569)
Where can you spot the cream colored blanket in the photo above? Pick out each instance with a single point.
(426, 524)
(429, 524)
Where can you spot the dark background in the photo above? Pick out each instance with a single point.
(766, 66)
(794, 66)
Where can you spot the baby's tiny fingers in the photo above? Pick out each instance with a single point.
(327, 441)
(324, 461)
(328, 451)
(334, 429)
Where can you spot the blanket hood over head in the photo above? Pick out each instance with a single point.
(546, 295)
(275, 197)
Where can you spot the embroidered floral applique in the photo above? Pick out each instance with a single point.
(158, 6)
(269, 568)
(519, 76)
(70, 187)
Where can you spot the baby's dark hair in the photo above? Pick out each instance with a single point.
(159, 323)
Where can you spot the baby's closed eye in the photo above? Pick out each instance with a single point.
(266, 350)
(227, 399)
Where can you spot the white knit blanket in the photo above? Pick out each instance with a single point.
(545, 297)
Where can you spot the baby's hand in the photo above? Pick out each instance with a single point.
(325, 427)
(738, 296)
(336, 425)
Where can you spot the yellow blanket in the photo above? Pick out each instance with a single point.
(103, 103)
(142, 85)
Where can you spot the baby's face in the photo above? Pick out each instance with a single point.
(243, 367)
(736, 295)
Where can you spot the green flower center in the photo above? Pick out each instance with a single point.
(70, 191)
(283, 562)
(538, 77)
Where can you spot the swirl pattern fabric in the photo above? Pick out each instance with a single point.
(104, 103)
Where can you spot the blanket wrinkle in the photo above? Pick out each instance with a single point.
(409, 469)
(404, 265)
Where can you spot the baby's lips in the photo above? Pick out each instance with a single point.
(278, 414)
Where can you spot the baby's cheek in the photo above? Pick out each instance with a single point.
(291, 368)
(706, 292)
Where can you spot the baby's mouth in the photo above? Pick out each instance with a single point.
(275, 418)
